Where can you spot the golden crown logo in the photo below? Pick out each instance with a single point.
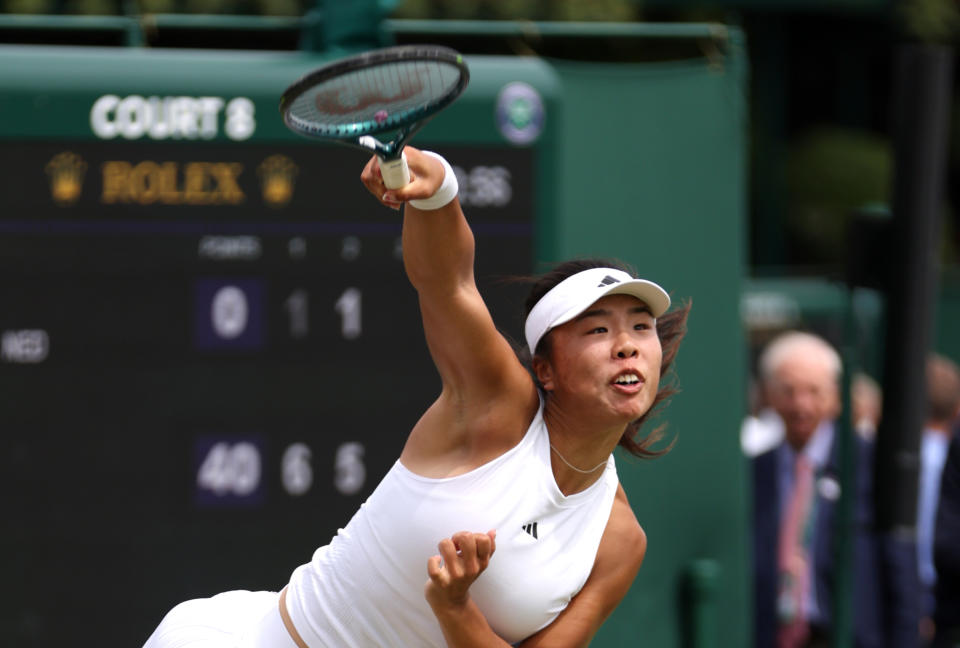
(66, 171)
(277, 175)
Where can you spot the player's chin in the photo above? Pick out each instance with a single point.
(643, 404)
(633, 410)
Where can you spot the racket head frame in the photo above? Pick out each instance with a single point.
(364, 135)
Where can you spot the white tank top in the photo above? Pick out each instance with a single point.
(365, 588)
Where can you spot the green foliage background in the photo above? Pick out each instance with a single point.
(608, 10)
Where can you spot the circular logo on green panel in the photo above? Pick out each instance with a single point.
(520, 113)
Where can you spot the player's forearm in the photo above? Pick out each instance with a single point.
(438, 248)
(464, 626)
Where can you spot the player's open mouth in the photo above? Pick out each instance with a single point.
(628, 379)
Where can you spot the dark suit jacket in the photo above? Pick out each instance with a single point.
(946, 544)
(885, 584)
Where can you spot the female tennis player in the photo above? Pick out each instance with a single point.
(503, 521)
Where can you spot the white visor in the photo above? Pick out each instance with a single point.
(576, 293)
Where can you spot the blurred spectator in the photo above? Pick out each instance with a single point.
(866, 400)
(943, 406)
(762, 429)
(796, 488)
(946, 551)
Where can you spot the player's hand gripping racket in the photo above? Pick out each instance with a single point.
(388, 91)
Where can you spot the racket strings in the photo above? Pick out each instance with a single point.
(375, 98)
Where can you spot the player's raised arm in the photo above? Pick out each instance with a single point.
(476, 363)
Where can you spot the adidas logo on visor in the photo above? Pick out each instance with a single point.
(607, 281)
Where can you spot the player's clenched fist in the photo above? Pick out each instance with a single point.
(426, 176)
(462, 558)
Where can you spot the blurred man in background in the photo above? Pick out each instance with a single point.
(762, 429)
(796, 488)
(943, 407)
(946, 551)
(866, 401)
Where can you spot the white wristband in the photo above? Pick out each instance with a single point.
(447, 191)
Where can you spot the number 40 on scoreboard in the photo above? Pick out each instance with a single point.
(229, 471)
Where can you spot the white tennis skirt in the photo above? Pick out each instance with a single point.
(237, 619)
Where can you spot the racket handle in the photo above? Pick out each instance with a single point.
(395, 173)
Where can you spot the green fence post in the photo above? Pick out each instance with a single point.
(701, 585)
(843, 549)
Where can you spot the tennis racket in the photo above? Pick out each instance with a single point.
(363, 100)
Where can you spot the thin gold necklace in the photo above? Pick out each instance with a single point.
(571, 466)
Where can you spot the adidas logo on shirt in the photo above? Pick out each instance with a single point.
(531, 529)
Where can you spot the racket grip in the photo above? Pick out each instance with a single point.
(395, 173)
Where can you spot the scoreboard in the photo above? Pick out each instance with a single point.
(209, 351)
